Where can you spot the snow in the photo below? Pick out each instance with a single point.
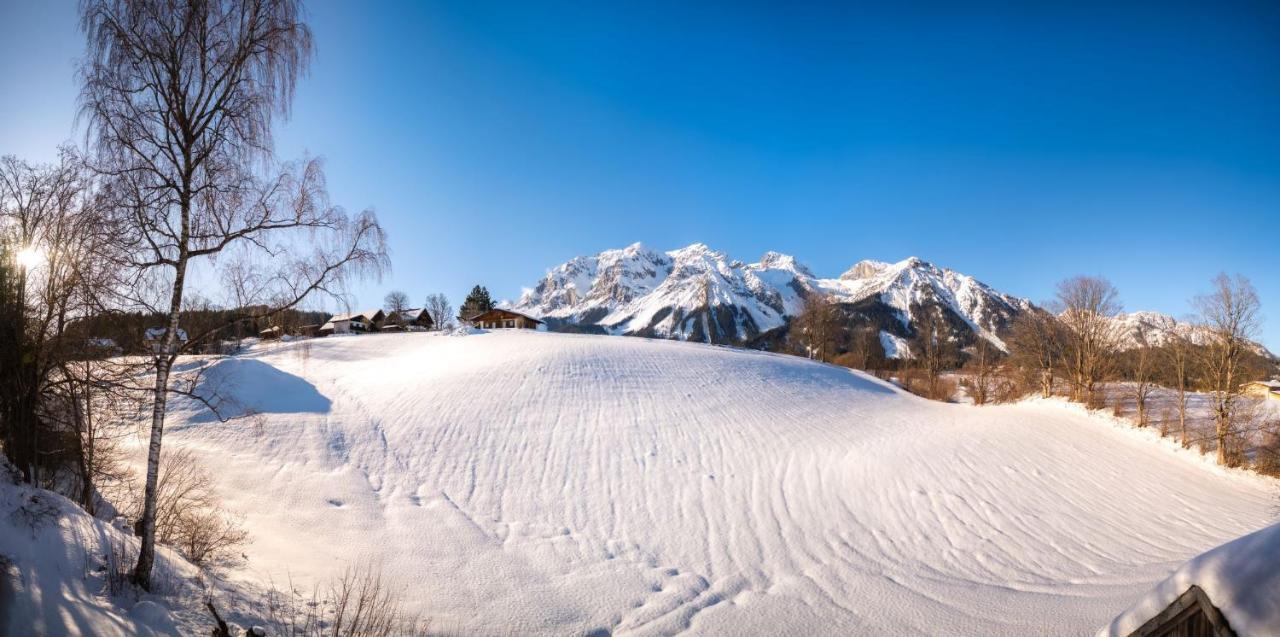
(1240, 577)
(55, 581)
(541, 483)
(894, 346)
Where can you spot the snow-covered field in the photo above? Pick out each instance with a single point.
(535, 483)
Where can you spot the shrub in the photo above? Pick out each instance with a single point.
(358, 603)
(189, 515)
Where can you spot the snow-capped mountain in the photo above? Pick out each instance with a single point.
(1159, 329)
(1155, 328)
(693, 293)
(696, 293)
(902, 289)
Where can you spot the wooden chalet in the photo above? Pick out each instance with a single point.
(353, 323)
(153, 337)
(412, 319)
(498, 319)
(271, 333)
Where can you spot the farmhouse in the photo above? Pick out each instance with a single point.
(153, 336)
(271, 333)
(410, 319)
(503, 319)
(352, 323)
(1263, 389)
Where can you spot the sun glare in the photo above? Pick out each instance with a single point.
(30, 257)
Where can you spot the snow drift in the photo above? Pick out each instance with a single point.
(541, 483)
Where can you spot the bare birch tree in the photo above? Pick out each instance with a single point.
(818, 326)
(180, 97)
(1036, 343)
(1229, 314)
(1086, 308)
(1179, 362)
(982, 371)
(1142, 372)
(395, 303)
(441, 312)
(933, 349)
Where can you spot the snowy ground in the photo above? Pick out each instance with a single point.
(534, 483)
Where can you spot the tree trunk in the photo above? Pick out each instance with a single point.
(1182, 417)
(146, 554)
(164, 363)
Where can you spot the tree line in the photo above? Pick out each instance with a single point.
(1077, 347)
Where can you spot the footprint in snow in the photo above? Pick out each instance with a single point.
(337, 504)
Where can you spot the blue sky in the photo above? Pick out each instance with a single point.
(1020, 144)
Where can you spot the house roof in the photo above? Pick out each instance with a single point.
(156, 333)
(366, 315)
(411, 313)
(503, 313)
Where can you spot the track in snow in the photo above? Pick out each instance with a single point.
(556, 484)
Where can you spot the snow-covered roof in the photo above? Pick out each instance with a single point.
(410, 314)
(1241, 578)
(506, 311)
(365, 315)
(156, 333)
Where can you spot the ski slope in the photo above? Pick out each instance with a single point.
(536, 483)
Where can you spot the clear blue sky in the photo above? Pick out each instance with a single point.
(1020, 142)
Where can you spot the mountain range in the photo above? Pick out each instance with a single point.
(700, 294)
(697, 293)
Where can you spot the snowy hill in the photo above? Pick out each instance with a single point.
(696, 293)
(535, 483)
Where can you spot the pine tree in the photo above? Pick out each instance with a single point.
(478, 302)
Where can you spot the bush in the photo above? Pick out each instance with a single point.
(358, 603)
(917, 382)
(1266, 459)
(189, 515)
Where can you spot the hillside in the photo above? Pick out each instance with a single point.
(534, 483)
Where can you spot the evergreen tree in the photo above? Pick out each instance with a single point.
(478, 301)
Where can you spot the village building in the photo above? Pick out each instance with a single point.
(498, 318)
(271, 333)
(1191, 615)
(353, 323)
(413, 319)
(152, 337)
(1263, 389)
